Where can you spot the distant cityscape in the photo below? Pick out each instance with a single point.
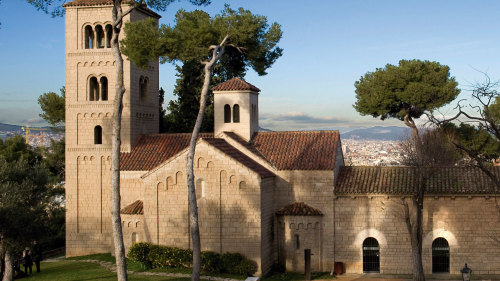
(37, 136)
(362, 147)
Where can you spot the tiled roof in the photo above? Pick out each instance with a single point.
(136, 208)
(299, 209)
(150, 151)
(402, 180)
(235, 84)
(301, 150)
(237, 155)
(79, 3)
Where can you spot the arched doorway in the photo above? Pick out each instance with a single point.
(371, 255)
(440, 256)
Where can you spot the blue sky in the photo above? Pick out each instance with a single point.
(328, 45)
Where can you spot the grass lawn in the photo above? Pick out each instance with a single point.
(82, 271)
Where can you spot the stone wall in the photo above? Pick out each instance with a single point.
(229, 204)
(467, 223)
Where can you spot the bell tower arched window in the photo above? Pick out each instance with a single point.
(143, 87)
(99, 34)
(97, 135)
(93, 89)
(109, 33)
(88, 37)
(104, 88)
(440, 256)
(236, 113)
(371, 255)
(227, 113)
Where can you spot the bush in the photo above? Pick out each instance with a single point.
(211, 262)
(151, 256)
(246, 267)
(139, 252)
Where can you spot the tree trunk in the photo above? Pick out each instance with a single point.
(410, 123)
(8, 275)
(217, 52)
(414, 226)
(121, 265)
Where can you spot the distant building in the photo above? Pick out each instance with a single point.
(267, 195)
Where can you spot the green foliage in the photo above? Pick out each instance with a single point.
(15, 148)
(230, 261)
(53, 157)
(29, 206)
(23, 201)
(195, 31)
(211, 262)
(52, 106)
(188, 42)
(412, 87)
(475, 140)
(139, 252)
(157, 256)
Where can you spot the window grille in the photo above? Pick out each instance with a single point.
(440, 256)
(371, 255)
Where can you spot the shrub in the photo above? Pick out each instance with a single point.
(246, 267)
(150, 256)
(139, 252)
(211, 262)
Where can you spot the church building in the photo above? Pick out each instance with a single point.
(267, 195)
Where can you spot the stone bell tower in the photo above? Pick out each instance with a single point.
(90, 92)
(236, 108)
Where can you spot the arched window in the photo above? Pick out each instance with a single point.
(371, 255)
(297, 242)
(104, 88)
(89, 37)
(143, 87)
(236, 113)
(440, 256)
(227, 113)
(93, 89)
(99, 34)
(97, 135)
(109, 33)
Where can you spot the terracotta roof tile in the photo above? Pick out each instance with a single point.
(235, 84)
(402, 180)
(237, 155)
(299, 209)
(136, 208)
(79, 3)
(301, 150)
(150, 151)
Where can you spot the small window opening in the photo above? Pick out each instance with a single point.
(135, 238)
(98, 135)
(440, 256)
(109, 33)
(371, 255)
(236, 113)
(227, 113)
(297, 242)
(201, 189)
(89, 37)
(143, 87)
(93, 89)
(104, 88)
(99, 33)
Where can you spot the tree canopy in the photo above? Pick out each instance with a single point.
(252, 44)
(249, 36)
(405, 91)
(52, 105)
